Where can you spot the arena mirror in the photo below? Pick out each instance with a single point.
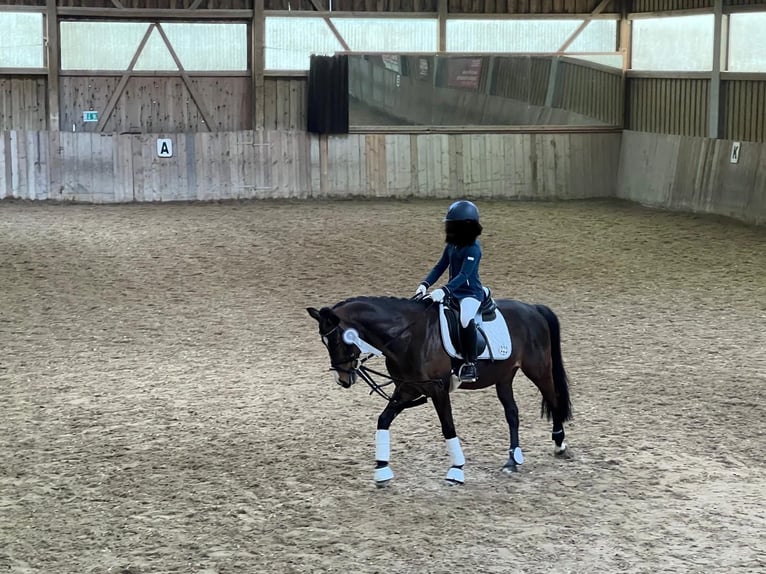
(484, 90)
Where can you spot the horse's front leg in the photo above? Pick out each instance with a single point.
(441, 400)
(398, 402)
(515, 456)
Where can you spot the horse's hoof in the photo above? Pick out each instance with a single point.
(561, 450)
(383, 476)
(450, 482)
(510, 469)
(455, 476)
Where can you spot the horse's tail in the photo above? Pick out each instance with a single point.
(563, 408)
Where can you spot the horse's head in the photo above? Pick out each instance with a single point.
(344, 357)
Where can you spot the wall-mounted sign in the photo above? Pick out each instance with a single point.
(90, 116)
(735, 147)
(164, 147)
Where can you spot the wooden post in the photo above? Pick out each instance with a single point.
(52, 25)
(443, 9)
(258, 65)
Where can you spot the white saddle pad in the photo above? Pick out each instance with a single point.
(495, 331)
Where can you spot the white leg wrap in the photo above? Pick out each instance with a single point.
(382, 445)
(383, 474)
(455, 452)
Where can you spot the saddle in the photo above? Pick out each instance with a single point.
(493, 339)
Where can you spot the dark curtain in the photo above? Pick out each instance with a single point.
(328, 95)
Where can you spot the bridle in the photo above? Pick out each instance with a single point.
(358, 367)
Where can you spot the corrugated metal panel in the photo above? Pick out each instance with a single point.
(522, 78)
(455, 6)
(745, 110)
(664, 5)
(668, 105)
(591, 92)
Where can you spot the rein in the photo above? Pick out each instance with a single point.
(365, 373)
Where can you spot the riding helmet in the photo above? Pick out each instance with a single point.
(462, 210)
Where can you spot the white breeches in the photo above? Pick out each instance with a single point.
(468, 308)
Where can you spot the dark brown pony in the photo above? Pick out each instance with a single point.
(407, 333)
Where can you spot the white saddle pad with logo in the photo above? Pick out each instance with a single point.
(495, 332)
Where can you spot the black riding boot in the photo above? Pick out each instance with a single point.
(468, 338)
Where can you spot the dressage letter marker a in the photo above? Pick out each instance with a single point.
(164, 147)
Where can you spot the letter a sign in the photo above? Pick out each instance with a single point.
(165, 147)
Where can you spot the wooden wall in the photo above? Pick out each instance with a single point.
(285, 103)
(105, 168)
(23, 103)
(153, 104)
(693, 174)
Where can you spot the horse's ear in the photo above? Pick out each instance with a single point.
(313, 312)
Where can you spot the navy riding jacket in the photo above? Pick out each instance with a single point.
(463, 265)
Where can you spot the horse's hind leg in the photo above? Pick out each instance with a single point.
(545, 383)
(505, 394)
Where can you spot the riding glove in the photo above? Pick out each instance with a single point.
(421, 290)
(437, 295)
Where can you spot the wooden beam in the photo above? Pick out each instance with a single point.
(118, 4)
(195, 5)
(584, 24)
(330, 25)
(52, 57)
(152, 73)
(12, 8)
(187, 80)
(625, 39)
(442, 35)
(156, 14)
(123, 81)
(23, 71)
(347, 14)
(500, 129)
(258, 65)
(669, 13)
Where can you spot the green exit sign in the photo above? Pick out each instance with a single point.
(90, 116)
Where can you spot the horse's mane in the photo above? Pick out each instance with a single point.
(382, 299)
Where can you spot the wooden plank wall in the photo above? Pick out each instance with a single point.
(745, 110)
(668, 105)
(23, 103)
(157, 104)
(24, 166)
(105, 168)
(285, 103)
(694, 174)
